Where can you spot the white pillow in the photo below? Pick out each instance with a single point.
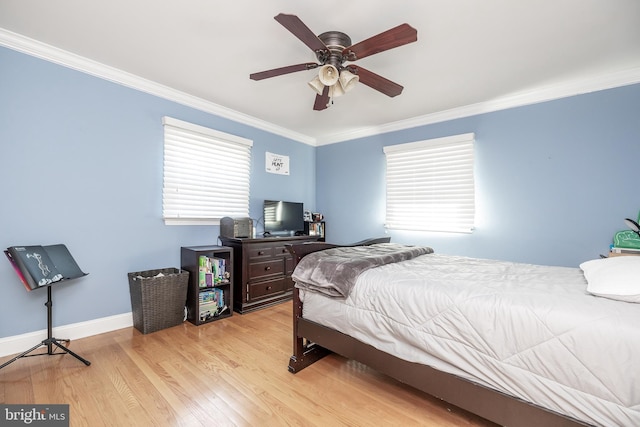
(615, 277)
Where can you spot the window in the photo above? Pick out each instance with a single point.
(430, 185)
(206, 174)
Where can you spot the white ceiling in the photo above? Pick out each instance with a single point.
(470, 54)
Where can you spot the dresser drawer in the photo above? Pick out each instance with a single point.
(265, 288)
(260, 251)
(280, 250)
(271, 267)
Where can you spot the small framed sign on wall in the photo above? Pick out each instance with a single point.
(277, 163)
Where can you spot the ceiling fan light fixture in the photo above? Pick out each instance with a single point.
(328, 75)
(348, 80)
(316, 85)
(336, 90)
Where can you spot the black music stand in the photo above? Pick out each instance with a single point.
(44, 266)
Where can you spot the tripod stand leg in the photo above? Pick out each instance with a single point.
(24, 354)
(57, 343)
(49, 342)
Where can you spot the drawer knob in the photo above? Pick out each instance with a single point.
(269, 288)
(267, 268)
(260, 252)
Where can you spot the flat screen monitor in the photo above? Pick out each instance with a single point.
(283, 218)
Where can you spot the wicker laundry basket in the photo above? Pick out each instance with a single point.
(158, 298)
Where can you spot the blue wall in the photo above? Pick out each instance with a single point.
(554, 180)
(82, 165)
(81, 160)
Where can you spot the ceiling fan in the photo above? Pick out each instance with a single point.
(333, 49)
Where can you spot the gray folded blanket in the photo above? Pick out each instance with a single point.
(334, 272)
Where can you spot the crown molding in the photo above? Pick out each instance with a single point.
(534, 96)
(58, 56)
(537, 95)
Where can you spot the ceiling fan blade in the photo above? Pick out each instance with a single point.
(376, 82)
(397, 36)
(283, 70)
(322, 101)
(301, 31)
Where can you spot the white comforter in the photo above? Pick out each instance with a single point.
(530, 331)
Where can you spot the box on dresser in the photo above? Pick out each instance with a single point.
(262, 270)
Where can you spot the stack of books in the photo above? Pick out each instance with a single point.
(624, 251)
(211, 304)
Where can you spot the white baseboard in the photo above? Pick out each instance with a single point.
(19, 343)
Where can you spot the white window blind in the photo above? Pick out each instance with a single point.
(206, 174)
(430, 185)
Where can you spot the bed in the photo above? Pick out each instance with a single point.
(517, 344)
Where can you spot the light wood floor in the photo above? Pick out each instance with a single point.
(230, 372)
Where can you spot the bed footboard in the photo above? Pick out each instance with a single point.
(305, 351)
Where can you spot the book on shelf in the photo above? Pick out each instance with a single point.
(39, 266)
(316, 228)
(211, 271)
(211, 303)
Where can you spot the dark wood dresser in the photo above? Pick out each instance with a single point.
(262, 270)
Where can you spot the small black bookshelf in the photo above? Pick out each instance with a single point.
(210, 291)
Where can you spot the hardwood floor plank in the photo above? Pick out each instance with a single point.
(230, 372)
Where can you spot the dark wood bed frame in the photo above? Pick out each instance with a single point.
(312, 341)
